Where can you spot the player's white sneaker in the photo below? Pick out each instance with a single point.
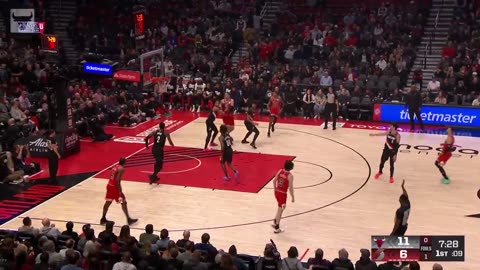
(278, 230)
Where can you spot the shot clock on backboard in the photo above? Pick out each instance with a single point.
(418, 248)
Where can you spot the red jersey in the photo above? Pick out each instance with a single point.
(282, 181)
(275, 102)
(113, 176)
(448, 147)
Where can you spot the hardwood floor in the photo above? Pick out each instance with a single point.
(340, 213)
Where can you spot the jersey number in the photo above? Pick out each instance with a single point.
(228, 143)
(280, 183)
(158, 139)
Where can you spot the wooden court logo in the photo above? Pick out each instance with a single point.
(430, 150)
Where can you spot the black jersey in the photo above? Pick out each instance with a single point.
(159, 139)
(227, 143)
(211, 117)
(391, 142)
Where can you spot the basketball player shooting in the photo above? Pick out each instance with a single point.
(282, 183)
(447, 149)
(115, 193)
(402, 214)
(390, 150)
(226, 143)
(160, 136)
(212, 130)
(275, 107)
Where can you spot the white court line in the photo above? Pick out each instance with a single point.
(90, 178)
(132, 127)
(199, 163)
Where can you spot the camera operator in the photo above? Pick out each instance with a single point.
(7, 170)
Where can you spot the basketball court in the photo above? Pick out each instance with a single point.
(338, 203)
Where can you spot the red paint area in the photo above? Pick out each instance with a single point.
(191, 167)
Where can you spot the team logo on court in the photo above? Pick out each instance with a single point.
(430, 150)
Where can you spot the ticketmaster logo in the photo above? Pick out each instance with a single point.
(97, 69)
(447, 118)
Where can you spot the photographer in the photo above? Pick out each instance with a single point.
(7, 170)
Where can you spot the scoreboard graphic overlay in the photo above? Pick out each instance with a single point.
(418, 248)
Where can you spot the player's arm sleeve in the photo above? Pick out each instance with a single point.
(397, 145)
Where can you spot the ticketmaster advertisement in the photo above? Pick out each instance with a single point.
(431, 114)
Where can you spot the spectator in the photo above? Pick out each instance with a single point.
(318, 260)
(16, 112)
(148, 236)
(108, 233)
(72, 258)
(292, 262)
(206, 246)
(476, 102)
(54, 258)
(70, 232)
(449, 50)
(27, 227)
(43, 263)
(433, 85)
(186, 239)
(49, 229)
(195, 262)
(69, 246)
(162, 243)
(388, 266)
(414, 266)
(342, 262)
(187, 254)
(326, 80)
(239, 265)
(308, 103)
(437, 267)
(441, 98)
(320, 101)
(364, 263)
(125, 264)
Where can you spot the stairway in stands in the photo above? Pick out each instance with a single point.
(428, 57)
(268, 16)
(61, 13)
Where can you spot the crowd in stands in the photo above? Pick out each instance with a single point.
(456, 80)
(48, 248)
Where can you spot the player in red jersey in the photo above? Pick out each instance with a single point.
(227, 108)
(275, 107)
(447, 149)
(282, 183)
(115, 193)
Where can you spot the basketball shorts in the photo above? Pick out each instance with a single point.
(400, 231)
(227, 156)
(157, 154)
(444, 157)
(211, 127)
(249, 125)
(114, 195)
(281, 199)
(274, 111)
(228, 120)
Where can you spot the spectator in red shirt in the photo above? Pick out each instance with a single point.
(448, 51)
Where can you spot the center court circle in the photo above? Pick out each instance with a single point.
(365, 180)
(330, 175)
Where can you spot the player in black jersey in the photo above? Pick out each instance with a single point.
(390, 150)
(402, 214)
(212, 130)
(159, 139)
(251, 127)
(226, 143)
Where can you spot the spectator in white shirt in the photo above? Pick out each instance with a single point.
(16, 112)
(125, 264)
(382, 64)
(441, 99)
(433, 85)
(24, 101)
(290, 52)
(476, 102)
(326, 80)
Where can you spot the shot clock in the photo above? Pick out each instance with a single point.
(418, 248)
